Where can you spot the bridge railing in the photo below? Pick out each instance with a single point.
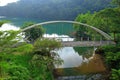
(86, 43)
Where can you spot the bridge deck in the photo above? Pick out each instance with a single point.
(86, 43)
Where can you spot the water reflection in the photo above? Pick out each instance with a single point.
(78, 60)
(70, 58)
(76, 63)
(94, 65)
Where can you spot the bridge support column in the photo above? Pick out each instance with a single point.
(88, 39)
(101, 40)
(108, 42)
(68, 39)
(94, 39)
(81, 38)
(46, 35)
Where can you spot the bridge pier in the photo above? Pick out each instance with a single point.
(88, 39)
(81, 38)
(101, 40)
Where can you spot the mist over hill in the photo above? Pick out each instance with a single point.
(52, 9)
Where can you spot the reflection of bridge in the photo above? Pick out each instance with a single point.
(109, 39)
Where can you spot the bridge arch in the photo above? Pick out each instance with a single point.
(74, 22)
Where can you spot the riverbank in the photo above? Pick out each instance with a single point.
(111, 57)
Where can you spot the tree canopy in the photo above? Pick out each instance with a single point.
(108, 20)
(117, 2)
(26, 61)
(32, 34)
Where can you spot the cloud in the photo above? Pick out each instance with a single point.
(7, 26)
(59, 37)
(2, 17)
(70, 58)
(5, 2)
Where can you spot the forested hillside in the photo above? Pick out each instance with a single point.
(52, 9)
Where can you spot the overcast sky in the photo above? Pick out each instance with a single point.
(5, 2)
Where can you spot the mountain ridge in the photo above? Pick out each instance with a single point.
(52, 9)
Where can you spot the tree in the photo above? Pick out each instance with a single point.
(117, 2)
(8, 51)
(36, 60)
(82, 31)
(7, 39)
(32, 34)
(45, 57)
(48, 47)
(107, 20)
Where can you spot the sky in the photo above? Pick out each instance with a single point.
(5, 2)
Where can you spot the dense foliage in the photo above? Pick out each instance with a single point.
(111, 56)
(107, 20)
(117, 2)
(32, 34)
(23, 61)
(82, 31)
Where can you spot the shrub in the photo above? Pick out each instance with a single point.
(115, 74)
(18, 73)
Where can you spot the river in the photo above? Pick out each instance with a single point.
(77, 61)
